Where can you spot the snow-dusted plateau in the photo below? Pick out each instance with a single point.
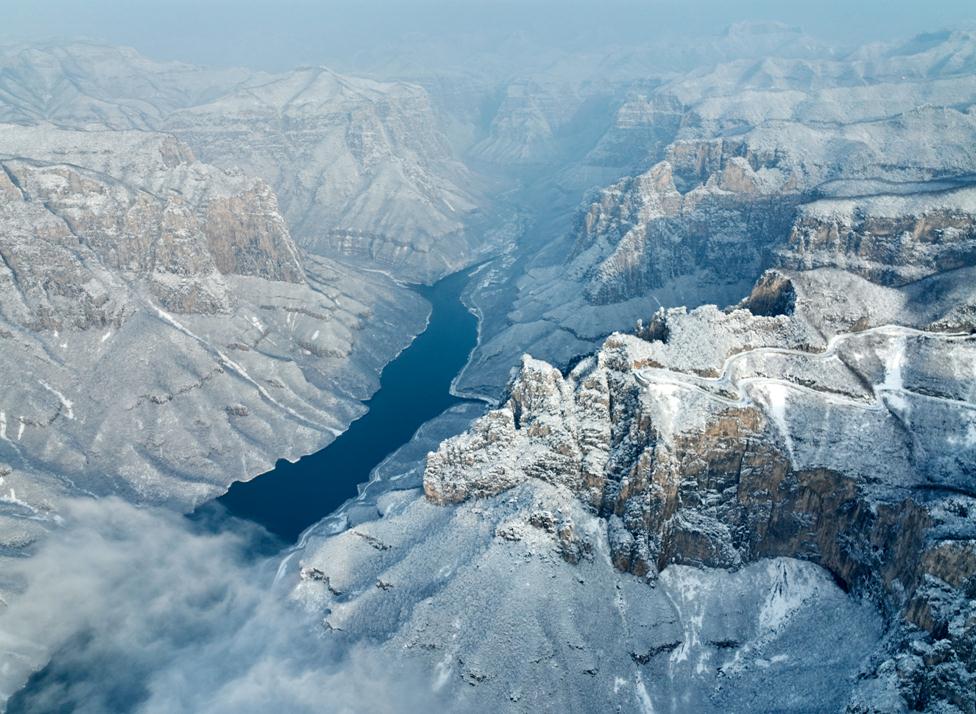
(718, 452)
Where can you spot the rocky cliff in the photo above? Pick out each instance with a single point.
(360, 167)
(132, 204)
(819, 428)
(731, 167)
(709, 503)
(836, 426)
(160, 333)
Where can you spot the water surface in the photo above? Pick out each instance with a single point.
(414, 388)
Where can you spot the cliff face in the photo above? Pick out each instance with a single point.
(360, 167)
(643, 233)
(133, 206)
(716, 439)
(167, 299)
(891, 240)
(749, 165)
(828, 416)
(160, 333)
(720, 209)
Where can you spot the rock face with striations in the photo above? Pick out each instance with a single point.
(136, 204)
(891, 240)
(748, 487)
(837, 430)
(828, 417)
(359, 167)
(718, 439)
(166, 280)
(156, 309)
(732, 170)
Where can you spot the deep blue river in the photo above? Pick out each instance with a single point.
(414, 388)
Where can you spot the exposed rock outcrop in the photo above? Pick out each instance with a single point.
(737, 437)
(749, 165)
(135, 207)
(891, 240)
(360, 167)
(160, 334)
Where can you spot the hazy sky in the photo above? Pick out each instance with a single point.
(283, 33)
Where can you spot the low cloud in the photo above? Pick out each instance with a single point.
(138, 611)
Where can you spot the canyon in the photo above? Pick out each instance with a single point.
(722, 414)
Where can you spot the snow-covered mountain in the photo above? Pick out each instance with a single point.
(826, 418)
(728, 332)
(726, 157)
(360, 167)
(161, 335)
(713, 453)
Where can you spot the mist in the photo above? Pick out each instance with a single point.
(347, 34)
(142, 612)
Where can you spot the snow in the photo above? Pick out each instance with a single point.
(891, 392)
(66, 403)
(3, 425)
(642, 696)
(894, 362)
(967, 440)
(686, 592)
(778, 395)
(442, 671)
(669, 403)
(792, 587)
(892, 206)
(238, 369)
(12, 499)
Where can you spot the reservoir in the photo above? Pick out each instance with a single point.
(414, 388)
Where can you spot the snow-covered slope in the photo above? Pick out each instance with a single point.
(640, 522)
(160, 334)
(727, 157)
(827, 416)
(360, 167)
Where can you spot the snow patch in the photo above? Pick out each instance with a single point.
(66, 403)
(688, 585)
(668, 403)
(777, 398)
(12, 499)
(792, 587)
(893, 386)
(642, 696)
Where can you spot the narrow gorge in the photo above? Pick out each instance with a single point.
(637, 378)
